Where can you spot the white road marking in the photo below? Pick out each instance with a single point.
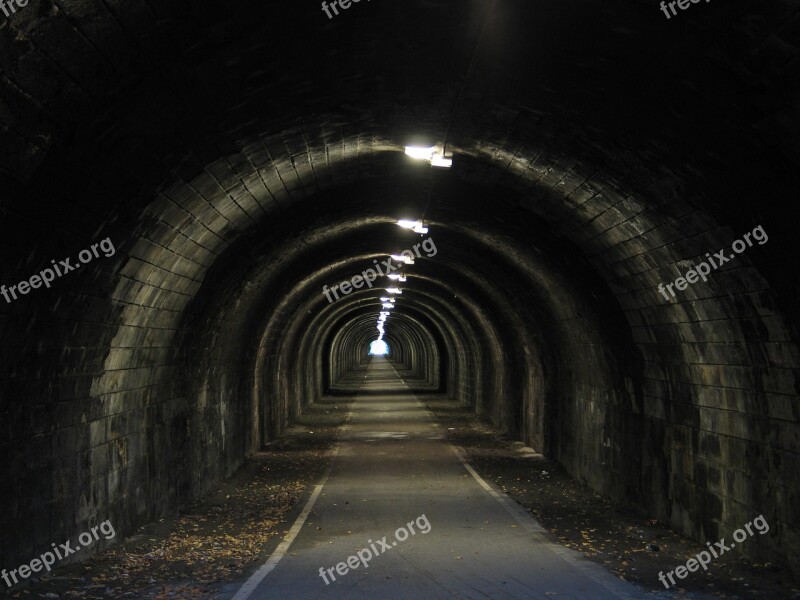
(256, 578)
(592, 570)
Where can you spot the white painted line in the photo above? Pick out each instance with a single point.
(598, 574)
(515, 510)
(256, 578)
(592, 570)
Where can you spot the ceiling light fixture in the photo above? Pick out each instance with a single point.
(415, 226)
(420, 153)
(440, 161)
(407, 224)
(433, 155)
(409, 260)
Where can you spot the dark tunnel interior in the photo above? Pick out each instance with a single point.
(241, 159)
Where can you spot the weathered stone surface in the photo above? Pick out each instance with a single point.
(237, 167)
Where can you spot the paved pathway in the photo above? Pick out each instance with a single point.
(393, 468)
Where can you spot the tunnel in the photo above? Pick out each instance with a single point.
(598, 266)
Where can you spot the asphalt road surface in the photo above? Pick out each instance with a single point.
(392, 473)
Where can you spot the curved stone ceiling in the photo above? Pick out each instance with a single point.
(238, 170)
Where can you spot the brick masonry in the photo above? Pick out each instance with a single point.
(227, 162)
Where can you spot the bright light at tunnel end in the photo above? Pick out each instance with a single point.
(378, 348)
